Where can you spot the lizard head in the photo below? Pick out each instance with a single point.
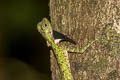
(44, 27)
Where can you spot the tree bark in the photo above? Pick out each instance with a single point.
(83, 20)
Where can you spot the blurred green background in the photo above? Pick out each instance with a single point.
(23, 52)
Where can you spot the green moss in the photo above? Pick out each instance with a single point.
(113, 75)
(111, 40)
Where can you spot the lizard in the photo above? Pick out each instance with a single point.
(59, 37)
(45, 29)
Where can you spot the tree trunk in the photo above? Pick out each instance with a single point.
(83, 20)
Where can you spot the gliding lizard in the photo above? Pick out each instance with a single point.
(45, 29)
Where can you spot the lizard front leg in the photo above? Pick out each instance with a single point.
(82, 50)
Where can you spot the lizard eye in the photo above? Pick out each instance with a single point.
(45, 25)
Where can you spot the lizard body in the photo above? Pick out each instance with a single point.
(45, 28)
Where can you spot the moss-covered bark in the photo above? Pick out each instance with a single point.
(83, 20)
